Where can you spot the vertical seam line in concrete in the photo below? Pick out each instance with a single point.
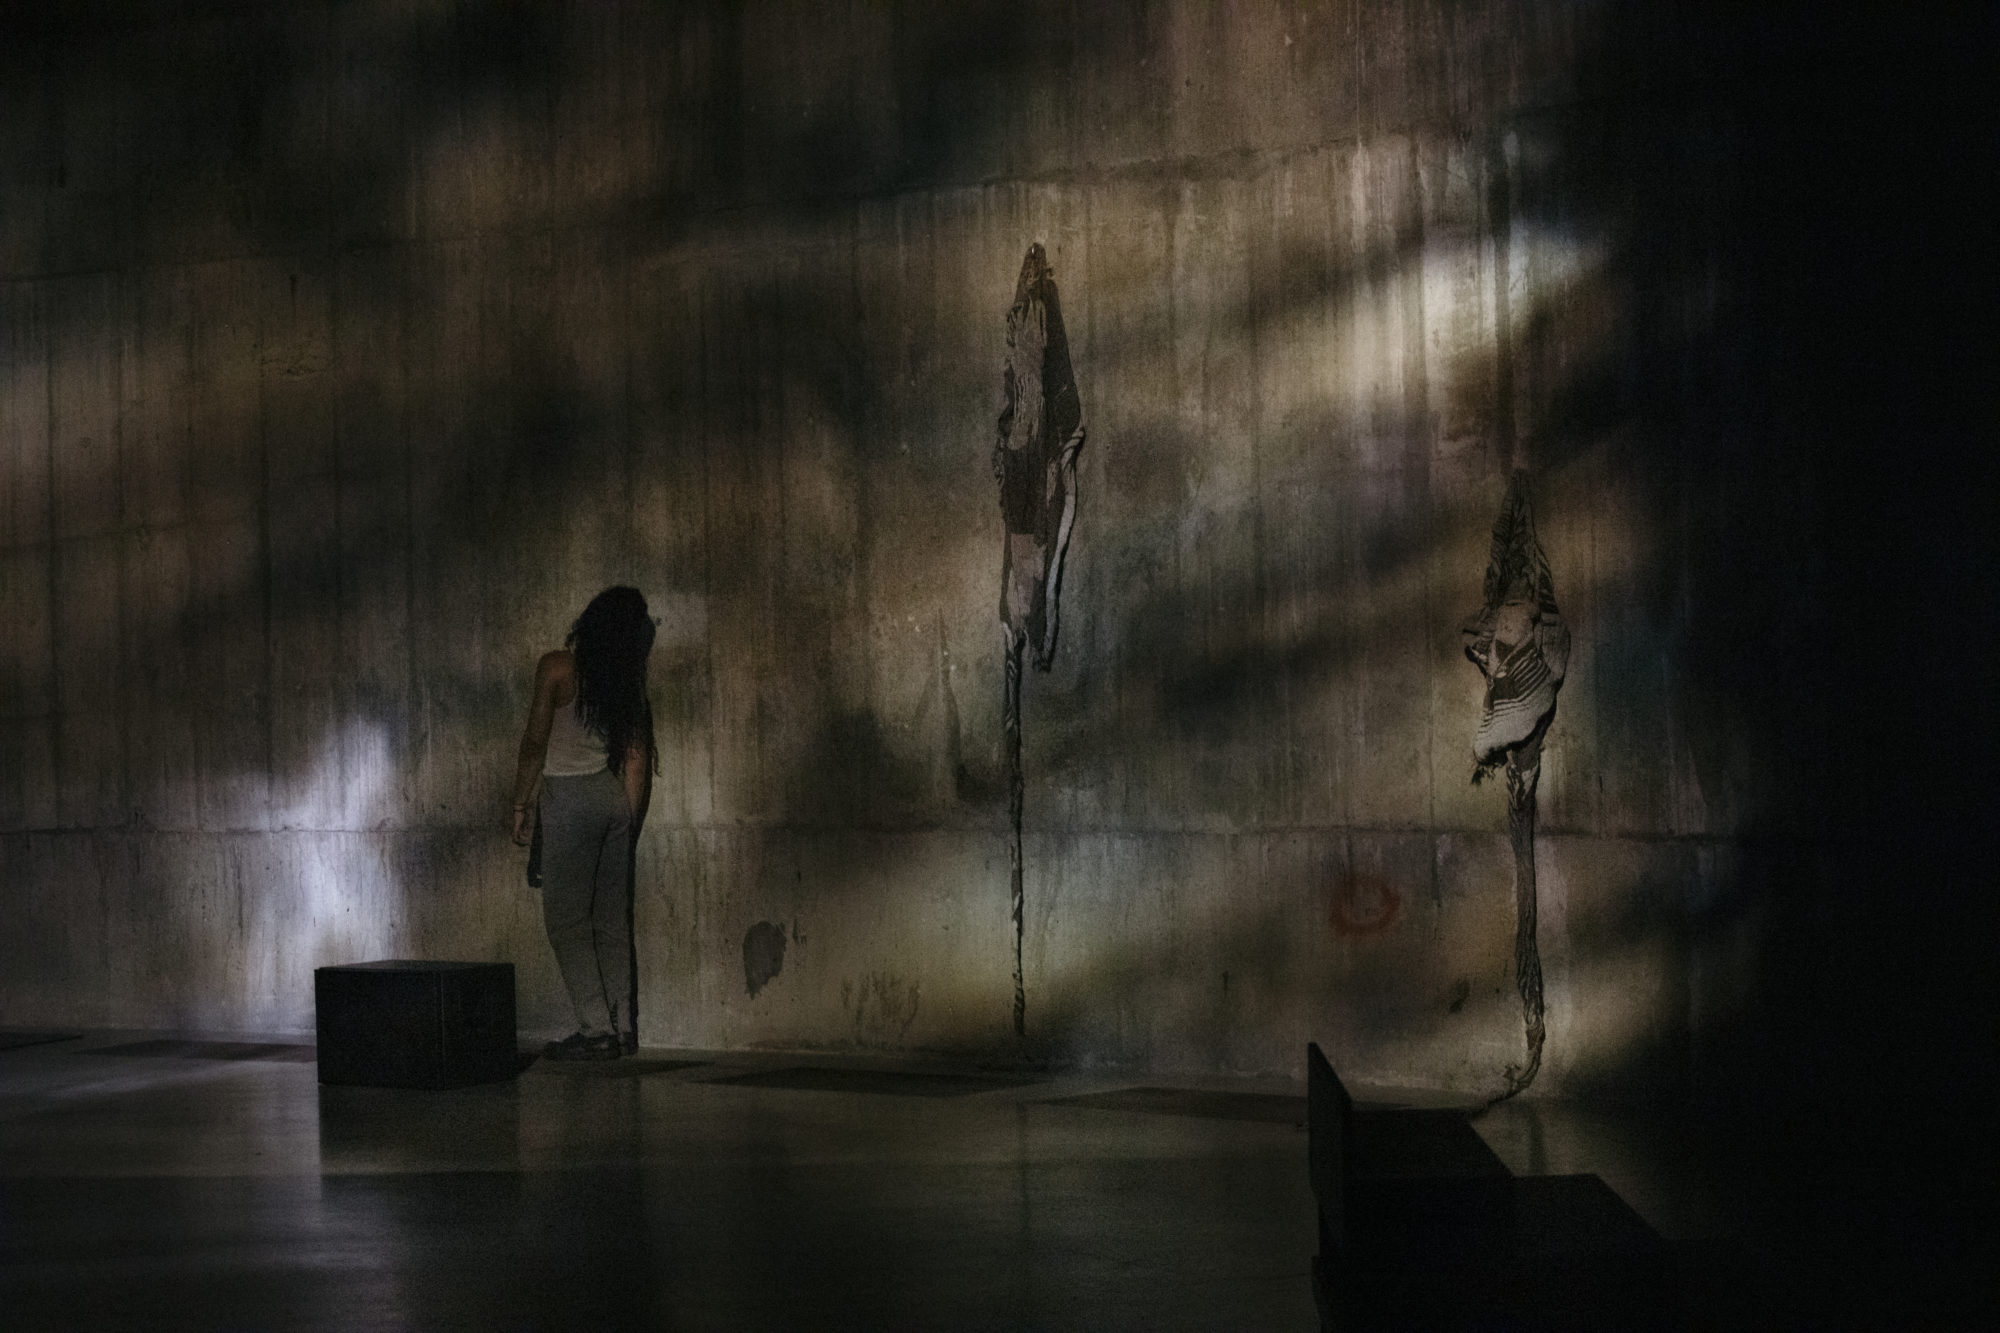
(411, 705)
(118, 654)
(1416, 397)
(264, 570)
(1500, 222)
(860, 607)
(701, 415)
(623, 300)
(336, 376)
(1428, 585)
(1259, 586)
(55, 552)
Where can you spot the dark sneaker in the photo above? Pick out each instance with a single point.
(577, 1046)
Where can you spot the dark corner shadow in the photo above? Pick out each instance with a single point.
(1421, 1227)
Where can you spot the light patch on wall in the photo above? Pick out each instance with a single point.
(345, 923)
(683, 618)
(1614, 1006)
(1326, 362)
(1546, 261)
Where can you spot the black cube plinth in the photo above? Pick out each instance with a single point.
(402, 1023)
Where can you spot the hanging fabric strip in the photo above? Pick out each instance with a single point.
(1519, 642)
(1039, 431)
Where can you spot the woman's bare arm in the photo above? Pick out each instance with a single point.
(550, 674)
(638, 778)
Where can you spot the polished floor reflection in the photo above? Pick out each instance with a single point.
(148, 1183)
(217, 1186)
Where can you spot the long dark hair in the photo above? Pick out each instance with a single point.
(611, 640)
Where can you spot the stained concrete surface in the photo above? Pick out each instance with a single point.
(346, 348)
(350, 347)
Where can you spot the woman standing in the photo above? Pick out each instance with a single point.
(588, 750)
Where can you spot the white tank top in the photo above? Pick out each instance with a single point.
(574, 750)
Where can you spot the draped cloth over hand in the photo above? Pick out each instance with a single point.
(1517, 640)
(1040, 430)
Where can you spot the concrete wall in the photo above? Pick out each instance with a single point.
(349, 348)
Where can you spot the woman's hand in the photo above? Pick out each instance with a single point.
(523, 826)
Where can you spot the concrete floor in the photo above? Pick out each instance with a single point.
(205, 1187)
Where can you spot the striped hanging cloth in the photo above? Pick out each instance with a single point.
(1517, 639)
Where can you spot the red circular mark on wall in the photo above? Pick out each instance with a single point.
(1365, 905)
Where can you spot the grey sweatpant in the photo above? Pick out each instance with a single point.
(587, 893)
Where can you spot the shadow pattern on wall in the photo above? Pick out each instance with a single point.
(345, 350)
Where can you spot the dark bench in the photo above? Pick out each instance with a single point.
(409, 1023)
(1421, 1226)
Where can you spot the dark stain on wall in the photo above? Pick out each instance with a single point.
(1366, 905)
(763, 955)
